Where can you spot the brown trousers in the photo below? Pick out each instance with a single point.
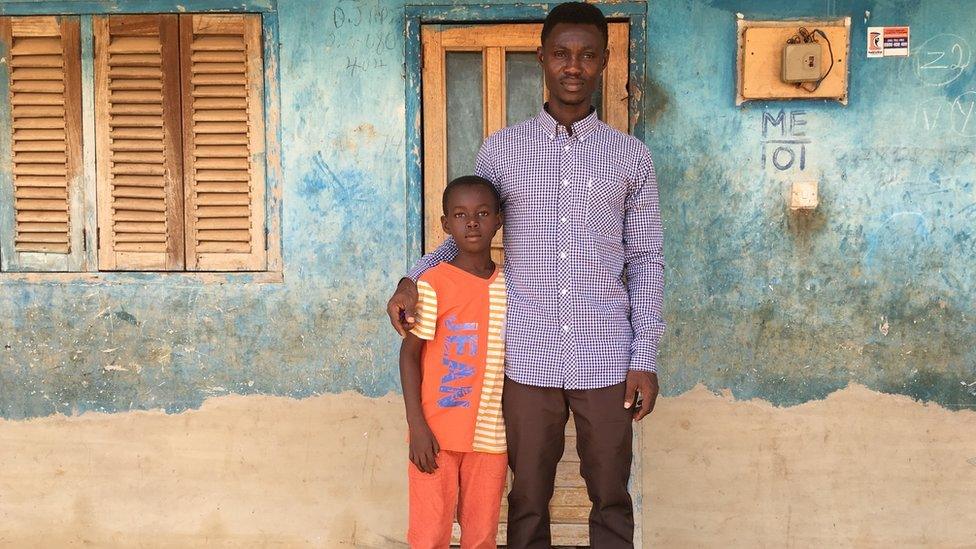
(535, 423)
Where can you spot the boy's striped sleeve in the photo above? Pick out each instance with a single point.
(426, 311)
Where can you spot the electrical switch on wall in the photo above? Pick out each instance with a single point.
(803, 196)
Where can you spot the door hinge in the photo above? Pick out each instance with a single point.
(84, 240)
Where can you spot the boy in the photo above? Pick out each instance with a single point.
(452, 371)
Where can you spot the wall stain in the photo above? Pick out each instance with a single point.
(655, 101)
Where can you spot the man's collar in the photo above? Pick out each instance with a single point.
(581, 128)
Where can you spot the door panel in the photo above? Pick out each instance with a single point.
(523, 85)
(464, 71)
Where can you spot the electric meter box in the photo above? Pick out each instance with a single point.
(801, 62)
(761, 59)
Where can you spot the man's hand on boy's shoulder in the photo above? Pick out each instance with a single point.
(401, 308)
(423, 447)
(644, 384)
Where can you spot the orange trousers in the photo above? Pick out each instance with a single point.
(466, 484)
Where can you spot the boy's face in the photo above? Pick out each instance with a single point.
(472, 218)
(573, 57)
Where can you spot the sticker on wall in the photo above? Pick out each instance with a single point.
(888, 41)
(875, 47)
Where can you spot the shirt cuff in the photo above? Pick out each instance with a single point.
(644, 360)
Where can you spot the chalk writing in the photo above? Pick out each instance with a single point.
(942, 59)
(948, 115)
(355, 15)
(908, 156)
(392, 144)
(787, 149)
(362, 32)
(363, 64)
(370, 42)
(929, 113)
(962, 114)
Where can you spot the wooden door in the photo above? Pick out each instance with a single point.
(490, 73)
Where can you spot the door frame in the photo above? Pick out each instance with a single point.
(635, 13)
(494, 41)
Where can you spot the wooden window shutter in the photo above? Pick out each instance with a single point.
(138, 134)
(223, 136)
(42, 198)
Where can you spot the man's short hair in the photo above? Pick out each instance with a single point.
(577, 13)
(471, 181)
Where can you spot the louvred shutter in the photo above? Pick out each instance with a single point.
(223, 135)
(139, 149)
(44, 84)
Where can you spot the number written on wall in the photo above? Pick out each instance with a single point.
(784, 143)
(942, 59)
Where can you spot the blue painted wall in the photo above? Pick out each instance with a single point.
(875, 287)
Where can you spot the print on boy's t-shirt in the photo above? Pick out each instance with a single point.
(461, 316)
(457, 371)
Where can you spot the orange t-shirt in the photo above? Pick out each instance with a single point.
(461, 317)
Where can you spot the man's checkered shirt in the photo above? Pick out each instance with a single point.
(583, 252)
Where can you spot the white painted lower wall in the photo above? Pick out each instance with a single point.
(858, 469)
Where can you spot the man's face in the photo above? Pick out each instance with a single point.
(573, 57)
(472, 217)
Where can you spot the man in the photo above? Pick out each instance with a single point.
(584, 267)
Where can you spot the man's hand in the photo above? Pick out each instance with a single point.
(644, 383)
(423, 448)
(402, 305)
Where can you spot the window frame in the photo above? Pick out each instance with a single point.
(85, 12)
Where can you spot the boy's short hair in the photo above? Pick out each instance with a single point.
(471, 181)
(577, 13)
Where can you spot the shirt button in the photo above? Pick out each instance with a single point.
(563, 291)
(562, 219)
(562, 255)
(565, 327)
(566, 148)
(565, 182)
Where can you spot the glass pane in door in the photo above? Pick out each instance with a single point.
(523, 86)
(465, 112)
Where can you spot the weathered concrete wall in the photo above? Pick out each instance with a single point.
(874, 289)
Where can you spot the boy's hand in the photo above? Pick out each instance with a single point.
(644, 383)
(423, 448)
(402, 305)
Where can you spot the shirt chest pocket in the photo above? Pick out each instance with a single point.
(605, 208)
